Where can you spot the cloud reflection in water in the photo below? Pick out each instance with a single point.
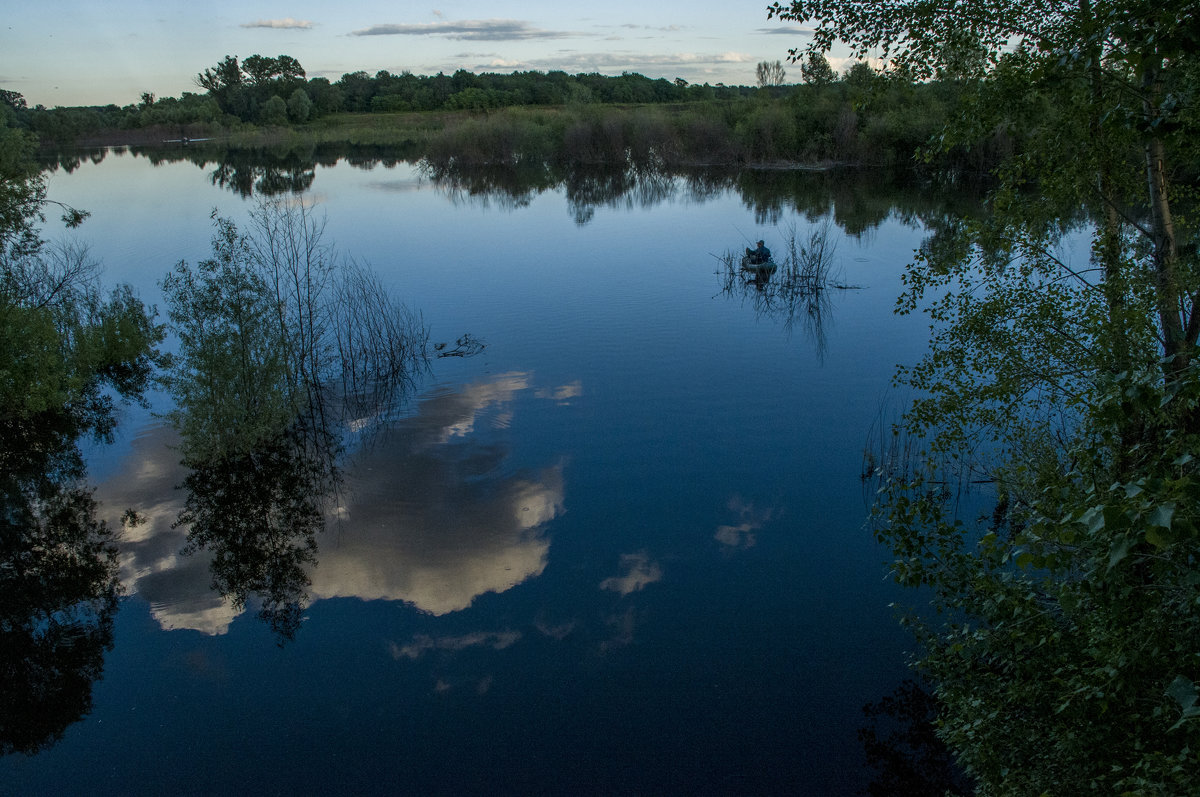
(430, 517)
(639, 569)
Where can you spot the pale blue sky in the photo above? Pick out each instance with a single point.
(85, 52)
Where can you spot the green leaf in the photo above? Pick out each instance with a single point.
(1184, 692)
(1119, 552)
(1093, 518)
(1157, 538)
(1162, 515)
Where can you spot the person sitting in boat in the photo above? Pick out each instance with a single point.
(760, 255)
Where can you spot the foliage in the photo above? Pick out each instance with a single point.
(230, 380)
(70, 345)
(816, 70)
(273, 112)
(1069, 646)
(299, 106)
(1064, 654)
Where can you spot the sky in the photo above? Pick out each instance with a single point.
(84, 52)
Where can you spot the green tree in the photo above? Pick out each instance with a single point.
(1064, 657)
(817, 71)
(299, 106)
(223, 77)
(276, 335)
(273, 112)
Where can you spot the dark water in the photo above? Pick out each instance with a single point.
(621, 551)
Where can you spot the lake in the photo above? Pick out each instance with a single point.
(621, 550)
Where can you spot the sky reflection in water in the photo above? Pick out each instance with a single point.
(622, 550)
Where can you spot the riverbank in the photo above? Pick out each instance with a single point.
(777, 134)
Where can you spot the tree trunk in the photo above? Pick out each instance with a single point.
(1165, 253)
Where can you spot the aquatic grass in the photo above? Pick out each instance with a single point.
(797, 289)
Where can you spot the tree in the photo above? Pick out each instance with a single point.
(1113, 61)
(260, 70)
(817, 71)
(273, 112)
(13, 99)
(276, 334)
(244, 89)
(226, 75)
(1064, 659)
(299, 106)
(860, 75)
(770, 73)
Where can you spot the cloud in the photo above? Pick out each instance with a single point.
(423, 643)
(638, 62)
(285, 23)
(786, 30)
(468, 30)
(562, 394)
(176, 587)
(744, 534)
(639, 571)
(662, 29)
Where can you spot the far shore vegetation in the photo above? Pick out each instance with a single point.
(861, 117)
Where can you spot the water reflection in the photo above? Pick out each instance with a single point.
(282, 349)
(258, 513)
(856, 202)
(903, 750)
(794, 287)
(247, 175)
(58, 586)
(432, 518)
(427, 514)
(638, 571)
(743, 534)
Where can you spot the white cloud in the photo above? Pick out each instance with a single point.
(643, 63)
(467, 30)
(286, 23)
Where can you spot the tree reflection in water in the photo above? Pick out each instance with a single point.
(68, 352)
(797, 287)
(852, 198)
(58, 583)
(283, 346)
(903, 750)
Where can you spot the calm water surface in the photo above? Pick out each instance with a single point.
(620, 551)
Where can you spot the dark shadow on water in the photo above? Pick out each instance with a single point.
(904, 753)
(58, 583)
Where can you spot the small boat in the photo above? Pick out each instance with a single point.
(758, 268)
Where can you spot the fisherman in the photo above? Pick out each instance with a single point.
(760, 255)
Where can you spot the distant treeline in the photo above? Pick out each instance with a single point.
(859, 117)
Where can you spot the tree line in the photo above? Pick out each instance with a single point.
(860, 116)
(276, 91)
